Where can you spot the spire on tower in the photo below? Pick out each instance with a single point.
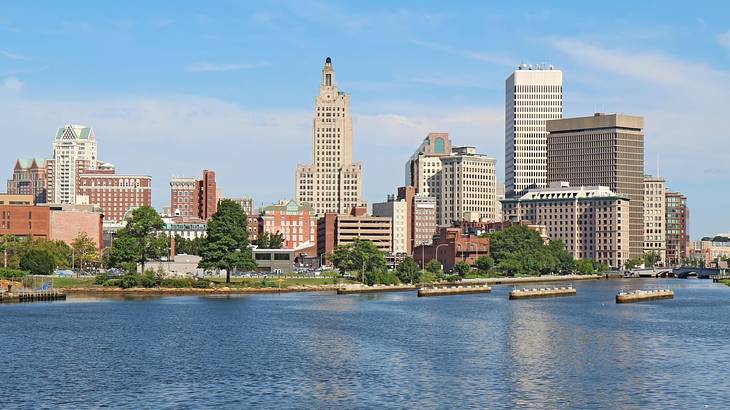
(328, 73)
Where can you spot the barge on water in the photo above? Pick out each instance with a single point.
(643, 295)
(526, 293)
(351, 289)
(453, 290)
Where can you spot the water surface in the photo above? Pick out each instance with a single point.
(390, 350)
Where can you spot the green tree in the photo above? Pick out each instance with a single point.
(37, 262)
(484, 263)
(462, 268)
(632, 263)
(408, 271)
(262, 242)
(226, 243)
(361, 256)
(276, 241)
(651, 259)
(564, 258)
(84, 250)
(270, 241)
(188, 246)
(366, 257)
(124, 252)
(519, 250)
(341, 259)
(585, 266)
(434, 267)
(138, 240)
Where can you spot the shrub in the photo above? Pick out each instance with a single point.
(101, 279)
(129, 281)
(12, 273)
(37, 262)
(427, 277)
(114, 283)
(453, 278)
(149, 279)
(178, 283)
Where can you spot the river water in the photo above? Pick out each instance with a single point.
(391, 350)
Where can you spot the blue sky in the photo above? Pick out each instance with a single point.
(172, 88)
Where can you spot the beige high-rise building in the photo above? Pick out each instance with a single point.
(332, 183)
(423, 168)
(468, 187)
(592, 221)
(462, 181)
(605, 150)
(655, 227)
(533, 95)
(74, 150)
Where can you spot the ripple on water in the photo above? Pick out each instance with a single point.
(390, 350)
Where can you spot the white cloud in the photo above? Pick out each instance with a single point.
(680, 99)
(483, 56)
(204, 66)
(178, 134)
(12, 85)
(724, 40)
(11, 56)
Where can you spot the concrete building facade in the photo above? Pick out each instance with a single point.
(397, 211)
(592, 221)
(462, 182)
(468, 187)
(677, 227)
(74, 150)
(343, 229)
(602, 150)
(332, 182)
(29, 178)
(655, 227)
(533, 95)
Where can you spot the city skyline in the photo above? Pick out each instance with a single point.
(157, 118)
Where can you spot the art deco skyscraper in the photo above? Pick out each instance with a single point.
(532, 96)
(332, 183)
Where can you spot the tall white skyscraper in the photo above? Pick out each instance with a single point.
(74, 150)
(533, 94)
(332, 183)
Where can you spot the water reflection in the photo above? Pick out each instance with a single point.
(391, 350)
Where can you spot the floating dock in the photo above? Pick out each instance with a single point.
(351, 289)
(32, 296)
(527, 293)
(644, 295)
(453, 290)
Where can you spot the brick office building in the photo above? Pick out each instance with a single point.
(194, 198)
(29, 178)
(52, 222)
(115, 194)
(450, 246)
(335, 229)
(296, 222)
